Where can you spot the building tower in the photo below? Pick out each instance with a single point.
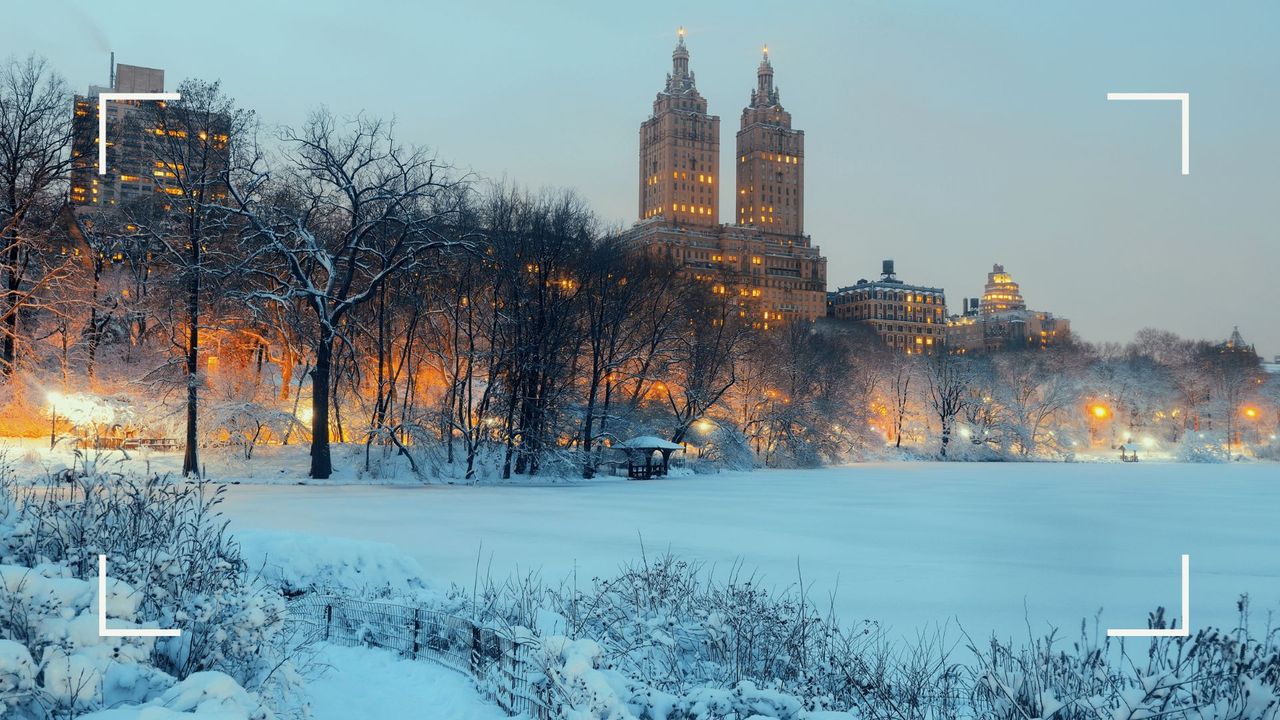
(680, 151)
(1001, 293)
(770, 191)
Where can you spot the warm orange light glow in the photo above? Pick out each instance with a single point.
(1251, 412)
(1100, 411)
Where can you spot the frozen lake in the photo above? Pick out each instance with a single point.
(910, 544)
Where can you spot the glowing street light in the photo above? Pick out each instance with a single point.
(1098, 414)
(1251, 413)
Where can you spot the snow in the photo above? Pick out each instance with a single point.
(992, 545)
(203, 696)
(651, 442)
(296, 562)
(373, 683)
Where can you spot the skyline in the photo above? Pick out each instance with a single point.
(960, 138)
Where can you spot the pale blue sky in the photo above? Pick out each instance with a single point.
(946, 135)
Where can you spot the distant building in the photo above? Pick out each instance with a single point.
(1235, 345)
(1001, 293)
(1000, 320)
(764, 259)
(909, 318)
(133, 170)
(131, 173)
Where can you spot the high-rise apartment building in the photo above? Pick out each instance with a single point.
(132, 172)
(680, 152)
(770, 187)
(764, 258)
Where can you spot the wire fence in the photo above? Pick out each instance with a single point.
(501, 664)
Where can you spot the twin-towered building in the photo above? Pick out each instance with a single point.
(763, 256)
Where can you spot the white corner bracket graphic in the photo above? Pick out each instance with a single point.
(102, 118)
(1183, 631)
(103, 630)
(1185, 99)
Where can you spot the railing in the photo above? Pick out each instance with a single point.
(500, 663)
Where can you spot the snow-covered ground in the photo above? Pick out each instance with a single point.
(908, 544)
(372, 683)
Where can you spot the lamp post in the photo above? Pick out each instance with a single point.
(1251, 415)
(53, 398)
(1098, 413)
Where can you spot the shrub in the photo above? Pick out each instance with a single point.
(169, 560)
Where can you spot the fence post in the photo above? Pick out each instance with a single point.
(328, 619)
(517, 689)
(475, 651)
(417, 629)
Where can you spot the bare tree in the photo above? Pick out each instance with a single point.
(354, 208)
(901, 371)
(1234, 378)
(539, 243)
(619, 284)
(705, 358)
(948, 377)
(1035, 389)
(187, 225)
(35, 141)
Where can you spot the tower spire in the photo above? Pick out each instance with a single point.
(680, 57)
(765, 94)
(680, 80)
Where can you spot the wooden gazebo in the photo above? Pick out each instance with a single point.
(640, 450)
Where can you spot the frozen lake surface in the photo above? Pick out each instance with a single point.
(909, 544)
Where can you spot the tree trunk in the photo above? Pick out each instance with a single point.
(190, 460)
(321, 462)
(9, 354)
(588, 427)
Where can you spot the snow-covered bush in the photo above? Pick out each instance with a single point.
(662, 641)
(170, 564)
(1228, 675)
(245, 425)
(1202, 447)
(666, 640)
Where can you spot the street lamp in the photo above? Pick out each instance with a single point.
(54, 398)
(1098, 413)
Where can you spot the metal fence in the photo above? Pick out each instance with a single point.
(502, 665)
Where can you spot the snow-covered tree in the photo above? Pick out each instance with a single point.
(350, 208)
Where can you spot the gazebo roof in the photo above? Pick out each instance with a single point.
(650, 442)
